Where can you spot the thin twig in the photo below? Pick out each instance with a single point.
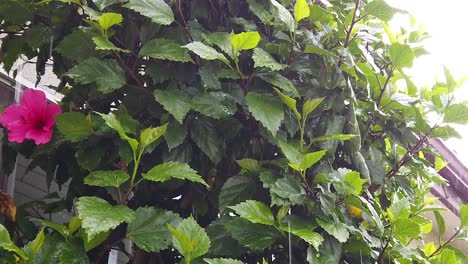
(446, 243)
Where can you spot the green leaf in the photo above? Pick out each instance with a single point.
(264, 59)
(175, 135)
(330, 252)
(279, 81)
(291, 153)
(177, 103)
(216, 105)
(107, 74)
(150, 135)
(190, 239)
(203, 132)
(67, 47)
(102, 43)
(36, 244)
(254, 236)
(206, 52)
(165, 49)
(284, 16)
(73, 252)
(266, 109)
(157, 10)
(101, 4)
(50, 251)
(254, 211)
(149, 229)
(354, 180)
(61, 229)
(8, 245)
(112, 122)
(168, 170)
(222, 261)
(301, 10)
(445, 132)
(380, 9)
(291, 103)
(302, 228)
(107, 20)
(401, 55)
(464, 215)
(311, 158)
(290, 190)
(74, 126)
(336, 229)
(310, 105)
(441, 222)
(220, 39)
(99, 216)
(235, 190)
(457, 114)
(448, 256)
(245, 40)
(310, 49)
(222, 244)
(334, 136)
(406, 228)
(250, 165)
(107, 178)
(449, 80)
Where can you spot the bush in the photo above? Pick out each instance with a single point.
(208, 131)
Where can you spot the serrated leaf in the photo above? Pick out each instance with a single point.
(99, 216)
(280, 82)
(222, 244)
(175, 135)
(106, 178)
(205, 52)
(254, 211)
(302, 228)
(235, 190)
(380, 9)
(177, 103)
(8, 245)
(406, 228)
(290, 190)
(114, 123)
(107, 20)
(220, 39)
(74, 126)
(107, 74)
(354, 180)
(149, 229)
(284, 15)
(216, 105)
(157, 10)
(401, 55)
(266, 109)
(245, 40)
(457, 114)
(223, 261)
(291, 153)
(168, 170)
(264, 59)
(291, 103)
(310, 159)
(165, 49)
(190, 239)
(249, 164)
(151, 134)
(342, 137)
(448, 256)
(67, 47)
(73, 252)
(255, 236)
(445, 132)
(310, 105)
(50, 251)
(301, 10)
(102, 43)
(336, 229)
(203, 132)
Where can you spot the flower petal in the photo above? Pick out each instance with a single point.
(11, 114)
(39, 136)
(35, 101)
(17, 131)
(51, 111)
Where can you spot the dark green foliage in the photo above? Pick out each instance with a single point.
(208, 130)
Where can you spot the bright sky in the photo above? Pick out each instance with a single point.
(446, 21)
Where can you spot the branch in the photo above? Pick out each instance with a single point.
(351, 26)
(446, 242)
(382, 252)
(184, 22)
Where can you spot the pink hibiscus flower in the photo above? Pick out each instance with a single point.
(33, 118)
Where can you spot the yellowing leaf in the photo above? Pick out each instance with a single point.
(245, 40)
(301, 10)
